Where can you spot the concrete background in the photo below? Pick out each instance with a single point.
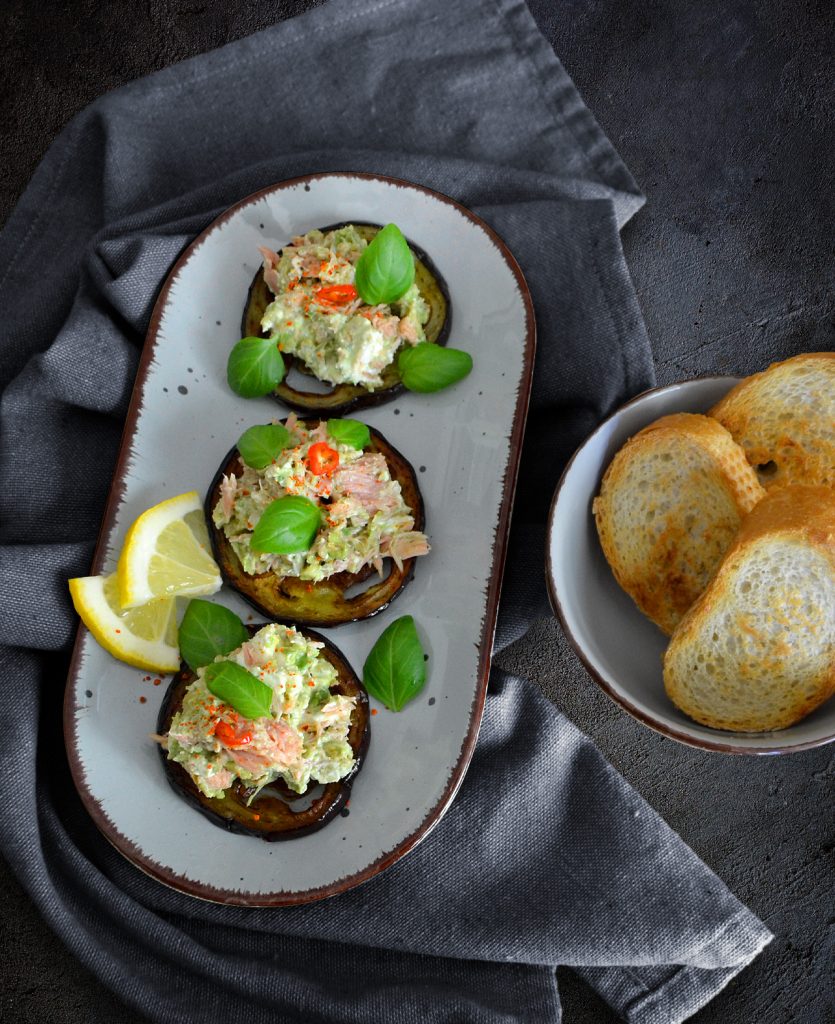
(724, 114)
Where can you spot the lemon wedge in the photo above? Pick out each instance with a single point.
(145, 637)
(166, 553)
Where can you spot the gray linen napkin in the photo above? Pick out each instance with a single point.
(547, 856)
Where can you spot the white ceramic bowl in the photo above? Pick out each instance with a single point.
(619, 646)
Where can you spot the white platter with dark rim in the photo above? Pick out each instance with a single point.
(465, 445)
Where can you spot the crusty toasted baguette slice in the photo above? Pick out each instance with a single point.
(756, 652)
(784, 418)
(669, 506)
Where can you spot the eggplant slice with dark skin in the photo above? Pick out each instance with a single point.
(344, 398)
(271, 815)
(300, 602)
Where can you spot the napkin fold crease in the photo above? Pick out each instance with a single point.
(546, 856)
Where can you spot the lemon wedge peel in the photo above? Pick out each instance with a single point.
(166, 554)
(144, 637)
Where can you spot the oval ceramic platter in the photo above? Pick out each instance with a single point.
(464, 443)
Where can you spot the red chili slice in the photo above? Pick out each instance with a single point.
(233, 735)
(336, 295)
(322, 459)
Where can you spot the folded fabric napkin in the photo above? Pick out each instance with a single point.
(546, 857)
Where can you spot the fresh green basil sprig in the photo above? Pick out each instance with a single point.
(208, 630)
(261, 444)
(350, 432)
(255, 367)
(386, 268)
(231, 683)
(426, 367)
(395, 669)
(287, 525)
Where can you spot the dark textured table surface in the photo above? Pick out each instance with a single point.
(724, 114)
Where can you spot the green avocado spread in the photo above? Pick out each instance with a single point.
(302, 740)
(364, 518)
(318, 316)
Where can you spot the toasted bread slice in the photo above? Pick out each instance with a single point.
(669, 506)
(784, 418)
(756, 652)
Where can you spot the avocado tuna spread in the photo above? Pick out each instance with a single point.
(303, 739)
(318, 317)
(364, 516)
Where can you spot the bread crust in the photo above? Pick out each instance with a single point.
(798, 519)
(784, 419)
(664, 555)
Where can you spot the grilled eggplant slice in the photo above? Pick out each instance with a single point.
(271, 815)
(344, 398)
(291, 600)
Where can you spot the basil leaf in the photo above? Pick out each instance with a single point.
(208, 630)
(350, 432)
(287, 525)
(255, 367)
(386, 268)
(260, 445)
(231, 683)
(426, 367)
(395, 669)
